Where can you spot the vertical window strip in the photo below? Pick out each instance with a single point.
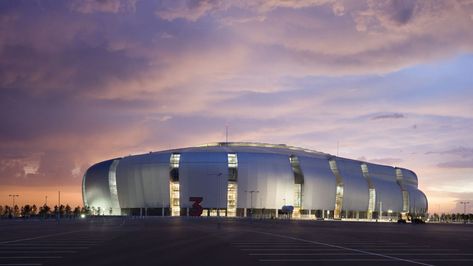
(372, 191)
(339, 190)
(405, 193)
(298, 183)
(232, 187)
(112, 183)
(84, 196)
(174, 189)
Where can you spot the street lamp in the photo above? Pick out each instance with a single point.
(13, 199)
(464, 208)
(251, 199)
(13, 196)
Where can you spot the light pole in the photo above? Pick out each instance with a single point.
(381, 210)
(13, 199)
(251, 199)
(464, 209)
(13, 196)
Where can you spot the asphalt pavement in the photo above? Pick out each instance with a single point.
(213, 241)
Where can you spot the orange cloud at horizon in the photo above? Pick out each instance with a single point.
(82, 82)
(71, 195)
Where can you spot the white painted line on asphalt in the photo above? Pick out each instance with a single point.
(52, 248)
(31, 257)
(377, 244)
(446, 260)
(345, 248)
(300, 246)
(325, 249)
(414, 249)
(36, 251)
(59, 242)
(299, 243)
(46, 245)
(309, 245)
(39, 237)
(383, 246)
(289, 249)
(21, 264)
(333, 260)
(257, 243)
(361, 241)
(306, 254)
(356, 254)
(64, 241)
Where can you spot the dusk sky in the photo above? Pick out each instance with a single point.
(86, 81)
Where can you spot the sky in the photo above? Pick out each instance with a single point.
(388, 82)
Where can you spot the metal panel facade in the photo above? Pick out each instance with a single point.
(409, 177)
(265, 181)
(269, 174)
(388, 191)
(97, 190)
(143, 181)
(319, 184)
(355, 186)
(203, 174)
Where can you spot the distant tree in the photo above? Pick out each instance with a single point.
(77, 211)
(1, 211)
(34, 210)
(26, 211)
(7, 211)
(16, 211)
(62, 210)
(68, 210)
(44, 210)
(99, 211)
(85, 210)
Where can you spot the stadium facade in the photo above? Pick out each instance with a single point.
(242, 179)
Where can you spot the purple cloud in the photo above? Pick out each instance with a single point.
(84, 81)
(388, 116)
(457, 164)
(464, 152)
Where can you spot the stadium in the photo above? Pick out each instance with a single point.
(241, 179)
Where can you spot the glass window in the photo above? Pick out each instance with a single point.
(232, 187)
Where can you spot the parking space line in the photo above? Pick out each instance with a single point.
(345, 248)
(309, 245)
(306, 254)
(21, 264)
(36, 251)
(45, 245)
(446, 259)
(354, 254)
(351, 249)
(39, 237)
(32, 257)
(290, 249)
(333, 260)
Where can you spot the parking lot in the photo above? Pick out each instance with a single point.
(211, 241)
